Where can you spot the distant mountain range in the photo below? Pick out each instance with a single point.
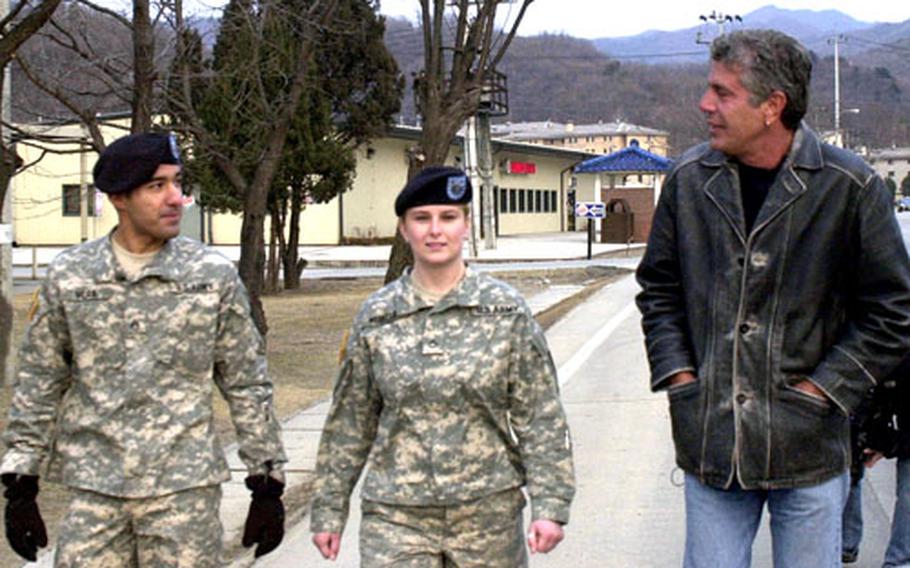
(655, 79)
(813, 28)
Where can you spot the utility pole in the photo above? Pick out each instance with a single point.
(485, 167)
(494, 101)
(473, 172)
(838, 139)
(83, 188)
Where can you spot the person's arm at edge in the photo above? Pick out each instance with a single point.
(42, 379)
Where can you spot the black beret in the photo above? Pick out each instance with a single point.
(131, 161)
(435, 185)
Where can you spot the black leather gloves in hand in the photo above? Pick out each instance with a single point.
(24, 527)
(265, 521)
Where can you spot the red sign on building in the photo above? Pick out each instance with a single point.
(521, 167)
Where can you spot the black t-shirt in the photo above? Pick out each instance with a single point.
(754, 184)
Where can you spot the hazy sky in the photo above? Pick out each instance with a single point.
(611, 18)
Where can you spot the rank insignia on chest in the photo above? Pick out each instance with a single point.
(431, 347)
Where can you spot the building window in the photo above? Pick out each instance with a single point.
(553, 207)
(503, 201)
(537, 201)
(71, 200)
(521, 201)
(512, 201)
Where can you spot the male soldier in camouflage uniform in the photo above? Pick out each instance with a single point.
(453, 400)
(129, 335)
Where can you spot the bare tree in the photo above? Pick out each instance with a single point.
(94, 62)
(23, 20)
(462, 46)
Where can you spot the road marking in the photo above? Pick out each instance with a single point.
(570, 367)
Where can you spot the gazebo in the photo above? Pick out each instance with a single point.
(629, 182)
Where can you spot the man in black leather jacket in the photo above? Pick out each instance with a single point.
(775, 293)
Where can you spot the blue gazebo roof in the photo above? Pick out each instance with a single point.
(629, 159)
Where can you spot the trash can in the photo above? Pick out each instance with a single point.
(617, 224)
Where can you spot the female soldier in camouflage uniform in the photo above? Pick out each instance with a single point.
(448, 390)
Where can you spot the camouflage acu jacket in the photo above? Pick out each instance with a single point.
(116, 377)
(447, 403)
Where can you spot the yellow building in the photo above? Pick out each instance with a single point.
(600, 138)
(533, 185)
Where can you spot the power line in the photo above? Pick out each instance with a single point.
(892, 46)
(606, 58)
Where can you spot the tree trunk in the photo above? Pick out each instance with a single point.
(292, 251)
(273, 263)
(143, 67)
(9, 161)
(282, 211)
(252, 259)
(401, 256)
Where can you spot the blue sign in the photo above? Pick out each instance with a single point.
(590, 209)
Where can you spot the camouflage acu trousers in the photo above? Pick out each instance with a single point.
(486, 533)
(180, 530)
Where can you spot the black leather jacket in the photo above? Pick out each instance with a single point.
(819, 289)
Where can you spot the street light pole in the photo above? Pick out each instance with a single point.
(838, 139)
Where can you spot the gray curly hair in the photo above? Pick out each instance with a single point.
(769, 61)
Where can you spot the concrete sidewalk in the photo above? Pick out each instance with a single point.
(529, 247)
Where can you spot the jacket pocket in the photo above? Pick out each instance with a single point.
(799, 421)
(816, 403)
(686, 417)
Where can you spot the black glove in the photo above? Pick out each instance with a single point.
(882, 433)
(24, 527)
(265, 521)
